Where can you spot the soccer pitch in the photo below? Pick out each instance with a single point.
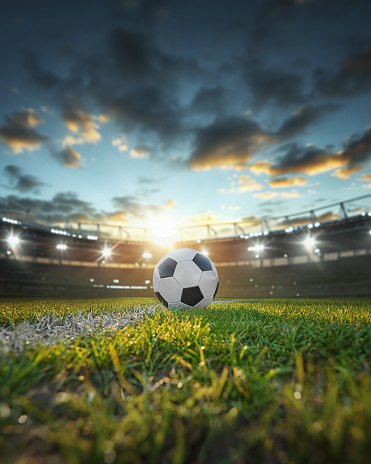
(127, 381)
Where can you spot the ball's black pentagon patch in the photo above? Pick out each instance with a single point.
(202, 262)
(191, 296)
(159, 296)
(167, 268)
(216, 290)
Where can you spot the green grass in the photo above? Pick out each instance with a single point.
(269, 381)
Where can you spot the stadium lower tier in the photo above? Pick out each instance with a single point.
(349, 277)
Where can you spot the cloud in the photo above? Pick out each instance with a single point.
(268, 195)
(140, 151)
(39, 76)
(82, 123)
(170, 204)
(248, 184)
(120, 142)
(209, 100)
(311, 160)
(131, 205)
(18, 132)
(352, 78)
(345, 173)
(148, 180)
(228, 142)
(366, 177)
(22, 182)
(232, 141)
(27, 118)
(62, 207)
(283, 182)
(302, 119)
(278, 86)
(68, 157)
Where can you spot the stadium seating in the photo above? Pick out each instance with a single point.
(281, 263)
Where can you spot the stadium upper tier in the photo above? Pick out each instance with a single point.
(315, 241)
(330, 258)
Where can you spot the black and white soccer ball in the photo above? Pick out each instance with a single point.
(185, 278)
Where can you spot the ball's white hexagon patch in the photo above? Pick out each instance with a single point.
(156, 279)
(183, 254)
(170, 290)
(187, 273)
(208, 283)
(205, 302)
(179, 305)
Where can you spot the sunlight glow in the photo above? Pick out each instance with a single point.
(163, 230)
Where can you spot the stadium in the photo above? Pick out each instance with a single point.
(185, 232)
(301, 257)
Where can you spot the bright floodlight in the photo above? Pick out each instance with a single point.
(13, 240)
(146, 254)
(309, 242)
(61, 246)
(257, 248)
(163, 230)
(106, 252)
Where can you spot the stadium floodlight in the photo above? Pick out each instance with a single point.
(289, 229)
(106, 252)
(205, 252)
(256, 248)
(309, 243)
(61, 246)
(13, 240)
(146, 254)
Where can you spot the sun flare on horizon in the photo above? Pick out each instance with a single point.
(163, 230)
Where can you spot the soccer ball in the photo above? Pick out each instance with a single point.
(185, 278)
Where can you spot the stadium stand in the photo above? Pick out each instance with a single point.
(318, 259)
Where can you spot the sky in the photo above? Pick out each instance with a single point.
(205, 111)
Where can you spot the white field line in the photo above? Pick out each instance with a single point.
(52, 329)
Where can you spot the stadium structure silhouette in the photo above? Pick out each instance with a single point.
(307, 254)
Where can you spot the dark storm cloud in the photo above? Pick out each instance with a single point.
(352, 78)
(133, 54)
(311, 160)
(18, 132)
(37, 74)
(210, 100)
(144, 13)
(132, 80)
(62, 207)
(68, 207)
(277, 86)
(302, 119)
(148, 109)
(22, 182)
(226, 142)
(233, 141)
(276, 15)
